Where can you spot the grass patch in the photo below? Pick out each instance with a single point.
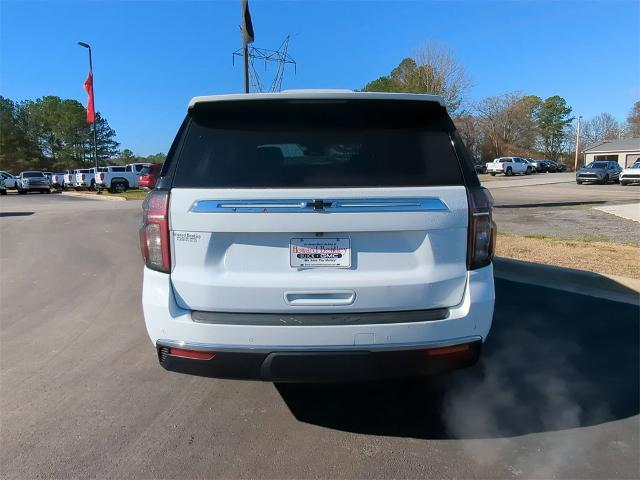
(133, 194)
(593, 255)
(538, 237)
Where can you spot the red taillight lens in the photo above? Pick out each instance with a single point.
(482, 228)
(154, 233)
(82, 176)
(101, 176)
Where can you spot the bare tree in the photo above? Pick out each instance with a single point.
(507, 123)
(633, 120)
(600, 128)
(439, 73)
(470, 130)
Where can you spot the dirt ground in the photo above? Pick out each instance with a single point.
(600, 257)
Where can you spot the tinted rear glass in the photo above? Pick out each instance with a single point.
(32, 174)
(285, 144)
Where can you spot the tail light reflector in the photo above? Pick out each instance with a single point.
(482, 228)
(179, 352)
(154, 233)
(82, 176)
(101, 176)
(434, 352)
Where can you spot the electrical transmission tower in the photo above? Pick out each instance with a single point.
(280, 57)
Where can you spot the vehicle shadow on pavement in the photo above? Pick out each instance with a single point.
(554, 360)
(15, 214)
(551, 204)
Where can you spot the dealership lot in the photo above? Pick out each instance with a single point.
(565, 210)
(82, 395)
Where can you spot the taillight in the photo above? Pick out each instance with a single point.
(82, 177)
(154, 233)
(482, 228)
(101, 176)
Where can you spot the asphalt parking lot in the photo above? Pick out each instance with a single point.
(564, 209)
(555, 396)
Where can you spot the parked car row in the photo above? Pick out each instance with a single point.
(29, 181)
(115, 179)
(519, 166)
(603, 172)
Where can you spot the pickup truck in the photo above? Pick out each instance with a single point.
(116, 179)
(69, 178)
(57, 180)
(32, 181)
(85, 178)
(508, 166)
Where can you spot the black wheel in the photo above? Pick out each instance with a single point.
(3, 192)
(120, 187)
(578, 182)
(605, 180)
(493, 174)
(22, 192)
(509, 172)
(528, 172)
(47, 191)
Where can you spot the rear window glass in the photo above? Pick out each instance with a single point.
(32, 174)
(285, 144)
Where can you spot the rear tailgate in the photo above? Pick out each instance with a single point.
(281, 215)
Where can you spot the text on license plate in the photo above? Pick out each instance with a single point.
(320, 252)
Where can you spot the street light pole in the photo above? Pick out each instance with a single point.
(95, 141)
(575, 166)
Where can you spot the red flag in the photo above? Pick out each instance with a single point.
(91, 111)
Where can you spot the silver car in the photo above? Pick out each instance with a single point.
(600, 171)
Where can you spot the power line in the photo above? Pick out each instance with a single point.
(280, 57)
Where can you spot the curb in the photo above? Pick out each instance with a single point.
(610, 287)
(491, 185)
(93, 196)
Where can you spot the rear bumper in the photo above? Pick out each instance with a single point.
(169, 325)
(354, 364)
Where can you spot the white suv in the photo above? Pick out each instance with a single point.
(317, 236)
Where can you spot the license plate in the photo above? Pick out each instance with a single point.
(320, 252)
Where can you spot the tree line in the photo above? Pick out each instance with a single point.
(51, 133)
(509, 124)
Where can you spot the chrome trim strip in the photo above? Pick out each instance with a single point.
(331, 205)
(211, 347)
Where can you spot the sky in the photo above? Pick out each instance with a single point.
(151, 57)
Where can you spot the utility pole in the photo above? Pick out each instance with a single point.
(575, 166)
(245, 54)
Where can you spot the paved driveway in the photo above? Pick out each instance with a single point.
(81, 395)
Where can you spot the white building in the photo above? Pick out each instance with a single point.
(625, 152)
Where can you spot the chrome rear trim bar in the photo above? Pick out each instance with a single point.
(350, 205)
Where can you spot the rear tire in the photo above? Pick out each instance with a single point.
(3, 192)
(578, 182)
(120, 187)
(493, 174)
(509, 172)
(605, 180)
(22, 192)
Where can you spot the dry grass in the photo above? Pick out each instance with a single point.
(595, 256)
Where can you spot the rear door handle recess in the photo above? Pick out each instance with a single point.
(316, 298)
